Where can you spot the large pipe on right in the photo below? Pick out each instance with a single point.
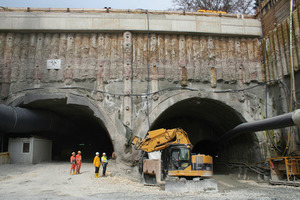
(280, 121)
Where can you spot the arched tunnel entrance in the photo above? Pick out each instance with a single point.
(206, 120)
(81, 130)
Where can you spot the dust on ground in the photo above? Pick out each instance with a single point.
(53, 181)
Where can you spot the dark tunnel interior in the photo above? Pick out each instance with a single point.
(205, 120)
(85, 133)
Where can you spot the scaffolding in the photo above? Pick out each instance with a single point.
(285, 169)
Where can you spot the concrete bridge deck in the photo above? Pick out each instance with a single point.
(128, 20)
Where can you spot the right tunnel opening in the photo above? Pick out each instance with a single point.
(206, 120)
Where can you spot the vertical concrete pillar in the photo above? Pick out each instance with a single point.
(69, 65)
(168, 58)
(153, 65)
(127, 51)
(6, 66)
(161, 56)
(218, 59)
(183, 60)
(15, 63)
(196, 58)
(204, 72)
(62, 52)
(107, 57)
(154, 82)
(231, 59)
(37, 74)
(77, 56)
(54, 50)
(31, 56)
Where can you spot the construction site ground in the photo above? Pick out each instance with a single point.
(53, 181)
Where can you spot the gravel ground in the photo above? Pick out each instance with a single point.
(53, 181)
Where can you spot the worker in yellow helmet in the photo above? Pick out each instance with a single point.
(104, 163)
(78, 162)
(96, 163)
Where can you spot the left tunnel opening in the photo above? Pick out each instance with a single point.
(81, 130)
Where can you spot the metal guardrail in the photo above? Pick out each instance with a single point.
(133, 11)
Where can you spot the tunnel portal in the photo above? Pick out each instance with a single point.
(205, 120)
(82, 131)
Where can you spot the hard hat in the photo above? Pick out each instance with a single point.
(97, 153)
(73, 152)
(104, 153)
(79, 151)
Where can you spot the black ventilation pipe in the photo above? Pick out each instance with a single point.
(21, 120)
(280, 121)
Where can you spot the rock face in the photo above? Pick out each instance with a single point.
(206, 84)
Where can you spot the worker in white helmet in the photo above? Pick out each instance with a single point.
(96, 163)
(104, 163)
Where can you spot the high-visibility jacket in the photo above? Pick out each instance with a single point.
(104, 159)
(73, 160)
(78, 158)
(96, 161)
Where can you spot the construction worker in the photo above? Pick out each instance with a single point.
(96, 163)
(104, 163)
(73, 164)
(78, 162)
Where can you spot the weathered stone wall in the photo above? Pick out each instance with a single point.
(89, 58)
(277, 49)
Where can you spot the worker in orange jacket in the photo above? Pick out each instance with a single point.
(73, 164)
(96, 163)
(78, 162)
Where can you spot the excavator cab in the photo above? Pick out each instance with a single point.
(180, 157)
(178, 161)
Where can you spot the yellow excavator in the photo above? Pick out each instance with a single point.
(176, 159)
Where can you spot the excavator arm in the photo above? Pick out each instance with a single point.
(160, 139)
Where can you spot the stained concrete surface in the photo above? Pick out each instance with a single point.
(53, 181)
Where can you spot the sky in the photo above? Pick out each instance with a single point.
(114, 4)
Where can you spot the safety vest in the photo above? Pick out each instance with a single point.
(104, 159)
(78, 158)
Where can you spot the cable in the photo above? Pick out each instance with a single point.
(292, 90)
(148, 71)
(272, 142)
(151, 93)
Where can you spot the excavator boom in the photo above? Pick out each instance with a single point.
(160, 139)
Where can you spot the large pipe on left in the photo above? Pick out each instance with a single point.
(21, 120)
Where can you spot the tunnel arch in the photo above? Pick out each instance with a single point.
(205, 120)
(92, 130)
